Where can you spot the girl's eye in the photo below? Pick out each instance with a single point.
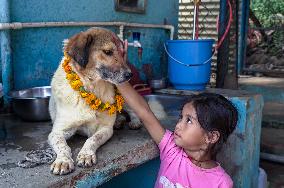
(108, 52)
(189, 120)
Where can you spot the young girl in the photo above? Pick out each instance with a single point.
(187, 154)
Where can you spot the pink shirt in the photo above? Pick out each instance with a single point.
(177, 171)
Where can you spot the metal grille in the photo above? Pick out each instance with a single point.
(209, 10)
(208, 17)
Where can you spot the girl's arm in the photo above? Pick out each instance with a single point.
(142, 110)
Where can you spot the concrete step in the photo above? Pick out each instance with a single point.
(272, 141)
(273, 115)
(272, 89)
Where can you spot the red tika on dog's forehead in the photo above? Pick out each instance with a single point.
(118, 43)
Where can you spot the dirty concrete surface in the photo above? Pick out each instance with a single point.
(17, 138)
(125, 150)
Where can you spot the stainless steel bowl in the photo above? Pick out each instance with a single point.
(32, 104)
(158, 83)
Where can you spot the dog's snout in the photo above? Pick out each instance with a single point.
(127, 75)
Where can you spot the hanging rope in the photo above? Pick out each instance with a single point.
(37, 157)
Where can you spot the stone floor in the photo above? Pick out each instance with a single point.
(275, 173)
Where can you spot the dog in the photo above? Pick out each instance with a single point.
(97, 57)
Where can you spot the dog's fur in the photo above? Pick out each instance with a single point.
(97, 57)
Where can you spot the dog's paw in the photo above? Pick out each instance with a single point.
(120, 121)
(62, 165)
(86, 160)
(134, 125)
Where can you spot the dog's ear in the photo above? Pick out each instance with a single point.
(78, 48)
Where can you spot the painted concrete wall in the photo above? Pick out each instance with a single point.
(36, 52)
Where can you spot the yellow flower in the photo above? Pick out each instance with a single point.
(65, 63)
(112, 110)
(76, 84)
(76, 77)
(66, 56)
(71, 76)
(119, 108)
(83, 94)
(106, 106)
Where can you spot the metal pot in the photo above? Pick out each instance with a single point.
(158, 83)
(32, 104)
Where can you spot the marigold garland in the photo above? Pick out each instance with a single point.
(91, 99)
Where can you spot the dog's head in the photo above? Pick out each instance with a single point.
(99, 52)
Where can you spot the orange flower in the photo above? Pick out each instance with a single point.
(94, 107)
(111, 110)
(119, 98)
(67, 69)
(98, 102)
(91, 97)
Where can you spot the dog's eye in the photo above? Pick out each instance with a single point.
(108, 52)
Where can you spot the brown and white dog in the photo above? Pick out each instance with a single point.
(97, 58)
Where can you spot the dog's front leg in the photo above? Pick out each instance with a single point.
(63, 163)
(87, 155)
(135, 122)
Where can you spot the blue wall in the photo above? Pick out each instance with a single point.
(36, 52)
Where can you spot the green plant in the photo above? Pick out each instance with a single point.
(269, 12)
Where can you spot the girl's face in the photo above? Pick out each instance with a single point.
(188, 133)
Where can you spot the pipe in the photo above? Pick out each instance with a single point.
(243, 35)
(223, 44)
(19, 25)
(272, 157)
(6, 52)
(120, 34)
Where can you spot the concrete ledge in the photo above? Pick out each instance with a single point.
(126, 149)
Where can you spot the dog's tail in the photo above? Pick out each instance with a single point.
(157, 109)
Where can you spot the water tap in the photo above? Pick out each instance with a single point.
(136, 44)
(136, 39)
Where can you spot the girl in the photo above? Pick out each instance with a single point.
(187, 154)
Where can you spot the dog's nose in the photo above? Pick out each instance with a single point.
(127, 75)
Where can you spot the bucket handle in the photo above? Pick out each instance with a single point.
(188, 65)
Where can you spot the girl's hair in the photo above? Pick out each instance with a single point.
(215, 113)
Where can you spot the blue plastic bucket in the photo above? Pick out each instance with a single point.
(189, 63)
